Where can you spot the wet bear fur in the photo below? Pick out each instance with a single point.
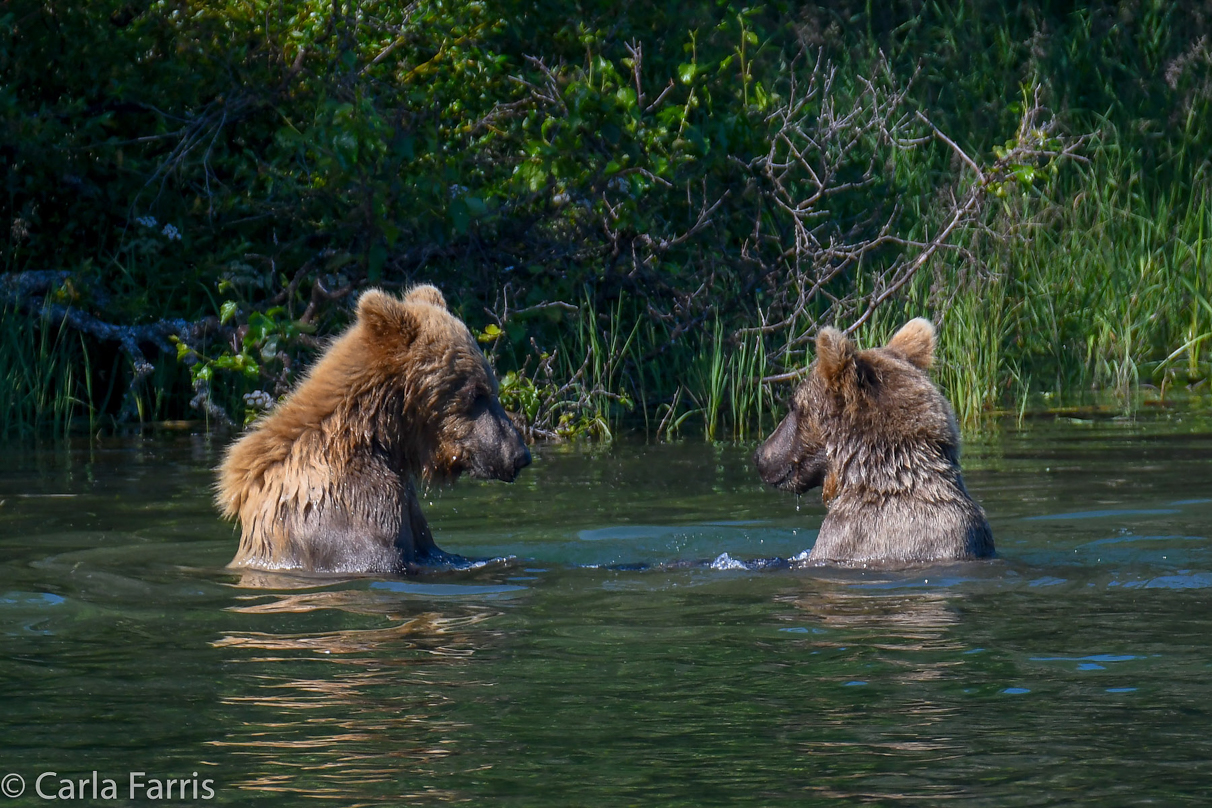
(326, 481)
(871, 429)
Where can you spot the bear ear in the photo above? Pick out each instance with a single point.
(425, 293)
(387, 317)
(834, 354)
(915, 342)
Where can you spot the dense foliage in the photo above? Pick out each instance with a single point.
(593, 186)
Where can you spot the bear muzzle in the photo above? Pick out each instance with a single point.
(783, 461)
(497, 450)
(511, 464)
(505, 467)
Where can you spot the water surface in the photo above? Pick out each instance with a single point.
(606, 662)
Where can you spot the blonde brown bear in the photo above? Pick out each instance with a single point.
(326, 481)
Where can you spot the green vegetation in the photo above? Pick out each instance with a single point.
(643, 211)
(44, 375)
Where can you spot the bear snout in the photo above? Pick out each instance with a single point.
(772, 472)
(774, 458)
(783, 461)
(507, 463)
(521, 460)
(497, 450)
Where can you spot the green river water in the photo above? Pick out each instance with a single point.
(606, 660)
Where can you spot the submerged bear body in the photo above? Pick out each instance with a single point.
(325, 482)
(874, 432)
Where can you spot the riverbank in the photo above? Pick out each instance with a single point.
(645, 214)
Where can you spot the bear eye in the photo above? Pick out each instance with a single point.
(473, 397)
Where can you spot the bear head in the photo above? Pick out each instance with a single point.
(441, 413)
(877, 407)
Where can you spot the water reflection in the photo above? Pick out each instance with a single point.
(354, 708)
(907, 619)
(888, 651)
(417, 632)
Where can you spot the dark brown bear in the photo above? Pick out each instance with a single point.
(878, 436)
(326, 481)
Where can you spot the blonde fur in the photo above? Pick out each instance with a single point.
(324, 481)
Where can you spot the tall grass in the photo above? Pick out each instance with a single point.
(1109, 291)
(1108, 294)
(709, 381)
(750, 403)
(45, 376)
(592, 357)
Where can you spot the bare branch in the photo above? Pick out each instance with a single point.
(29, 291)
(980, 175)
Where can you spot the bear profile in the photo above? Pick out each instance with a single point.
(326, 481)
(874, 432)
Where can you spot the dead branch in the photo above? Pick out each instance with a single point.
(812, 145)
(30, 292)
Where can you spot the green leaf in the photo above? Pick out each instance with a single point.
(227, 311)
(535, 174)
(686, 72)
(259, 326)
(760, 96)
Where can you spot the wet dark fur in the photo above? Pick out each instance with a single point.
(325, 482)
(871, 429)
